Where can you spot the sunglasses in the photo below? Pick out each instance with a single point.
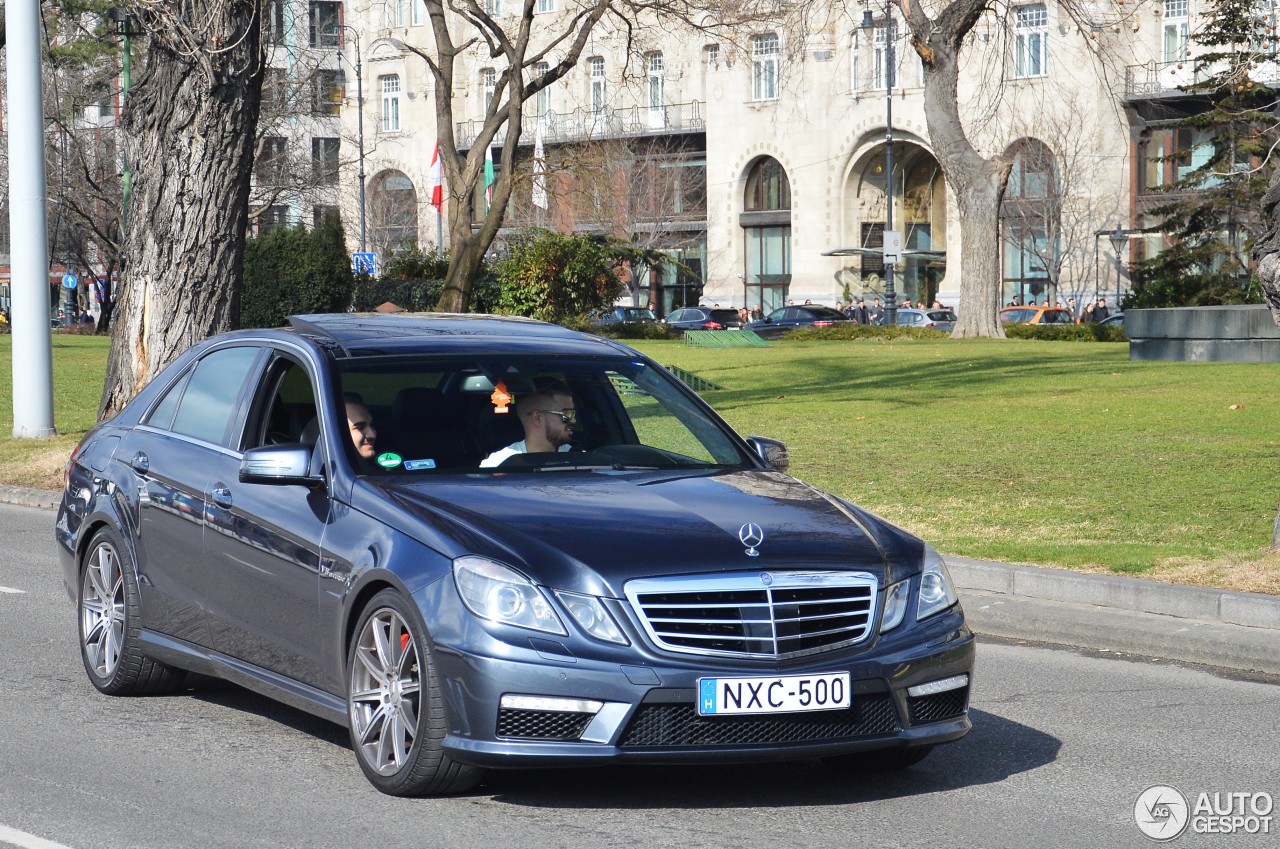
(566, 416)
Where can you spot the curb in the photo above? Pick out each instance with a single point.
(1230, 630)
(43, 498)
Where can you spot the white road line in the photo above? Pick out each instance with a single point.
(13, 837)
(12, 590)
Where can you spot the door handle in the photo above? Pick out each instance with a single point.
(140, 463)
(221, 494)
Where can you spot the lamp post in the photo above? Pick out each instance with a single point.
(889, 239)
(126, 28)
(341, 79)
(1118, 239)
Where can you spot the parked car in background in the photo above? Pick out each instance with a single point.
(937, 319)
(659, 591)
(1114, 320)
(1036, 315)
(626, 315)
(704, 318)
(783, 319)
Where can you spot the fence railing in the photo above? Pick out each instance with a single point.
(609, 123)
(1155, 79)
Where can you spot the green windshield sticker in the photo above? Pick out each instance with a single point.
(388, 460)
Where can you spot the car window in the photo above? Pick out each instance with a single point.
(208, 405)
(778, 314)
(162, 414)
(723, 316)
(678, 315)
(285, 407)
(1056, 317)
(824, 313)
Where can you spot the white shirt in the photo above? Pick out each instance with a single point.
(510, 451)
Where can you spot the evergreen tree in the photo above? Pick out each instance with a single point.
(1213, 210)
(292, 270)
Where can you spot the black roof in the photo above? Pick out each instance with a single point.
(368, 334)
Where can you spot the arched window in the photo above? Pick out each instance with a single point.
(393, 212)
(766, 224)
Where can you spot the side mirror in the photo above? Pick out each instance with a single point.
(773, 452)
(279, 464)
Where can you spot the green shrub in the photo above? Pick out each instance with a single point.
(293, 270)
(651, 330)
(552, 276)
(844, 332)
(413, 281)
(1067, 332)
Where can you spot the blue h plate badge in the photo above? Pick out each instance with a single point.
(707, 696)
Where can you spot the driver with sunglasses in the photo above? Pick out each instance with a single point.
(548, 417)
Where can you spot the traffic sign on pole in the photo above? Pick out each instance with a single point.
(364, 263)
(70, 280)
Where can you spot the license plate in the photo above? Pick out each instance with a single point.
(782, 694)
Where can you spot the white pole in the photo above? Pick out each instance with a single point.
(29, 262)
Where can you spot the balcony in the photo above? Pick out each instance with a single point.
(1167, 79)
(585, 125)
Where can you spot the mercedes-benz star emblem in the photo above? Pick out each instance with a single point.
(751, 536)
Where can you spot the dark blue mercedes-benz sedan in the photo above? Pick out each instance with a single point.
(491, 542)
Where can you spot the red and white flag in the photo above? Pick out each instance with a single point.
(435, 179)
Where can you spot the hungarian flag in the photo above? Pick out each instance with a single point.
(435, 179)
(488, 178)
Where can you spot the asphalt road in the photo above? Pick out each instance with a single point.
(1062, 745)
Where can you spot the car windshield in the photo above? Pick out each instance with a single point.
(824, 313)
(1056, 317)
(475, 413)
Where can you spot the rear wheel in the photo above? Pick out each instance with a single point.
(393, 701)
(111, 621)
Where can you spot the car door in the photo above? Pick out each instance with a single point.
(170, 454)
(262, 540)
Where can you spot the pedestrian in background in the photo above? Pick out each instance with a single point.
(860, 313)
(876, 312)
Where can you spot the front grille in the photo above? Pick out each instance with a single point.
(939, 706)
(542, 724)
(668, 725)
(756, 614)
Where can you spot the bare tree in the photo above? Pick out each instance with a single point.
(524, 49)
(190, 133)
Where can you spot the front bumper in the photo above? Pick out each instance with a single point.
(647, 711)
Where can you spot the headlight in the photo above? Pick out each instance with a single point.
(501, 594)
(895, 605)
(936, 590)
(589, 613)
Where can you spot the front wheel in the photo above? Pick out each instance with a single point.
(110, 624)
(393, 701)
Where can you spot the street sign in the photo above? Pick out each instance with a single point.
(70, 281)
(364, 263)
(892, 247)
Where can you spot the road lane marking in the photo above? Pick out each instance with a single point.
(12, 590)
(13, 837)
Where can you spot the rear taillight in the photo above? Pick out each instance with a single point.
(823, 323)
(713, 325)
(71, 461)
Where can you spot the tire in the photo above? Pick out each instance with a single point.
(880, 760)
(396, 714)
(111, 621)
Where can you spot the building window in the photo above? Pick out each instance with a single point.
(395, 13)
(544, 94)
(273, 21)
(546, 5)
(324, 161)
(766, 223)
(764, 66)
(493, 8)
(767, 187)
(269, 167)
(1175, 30)
(320, 211)
(657, 87)
(275, 92)
(276, 215)
(390, 103)
(596, 64)
(884, 62)
(1031, 41)
(488, 88)
(326, 94)
(419, 12)
(325, 20)
(712, 55)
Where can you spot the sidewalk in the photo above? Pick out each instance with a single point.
(1127, 616)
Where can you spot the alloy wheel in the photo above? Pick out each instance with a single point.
(102, 611)
(385, 692)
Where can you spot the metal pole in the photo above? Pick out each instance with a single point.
(360, 137)
(28, 236)
(890, 296)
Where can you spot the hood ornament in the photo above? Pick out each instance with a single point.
(751, 536)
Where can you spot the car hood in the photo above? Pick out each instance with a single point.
(593, 531)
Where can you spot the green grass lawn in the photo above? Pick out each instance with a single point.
(1054, 453)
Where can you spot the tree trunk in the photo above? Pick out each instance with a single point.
(978, 183)
(1266, 253)
(190, 132)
